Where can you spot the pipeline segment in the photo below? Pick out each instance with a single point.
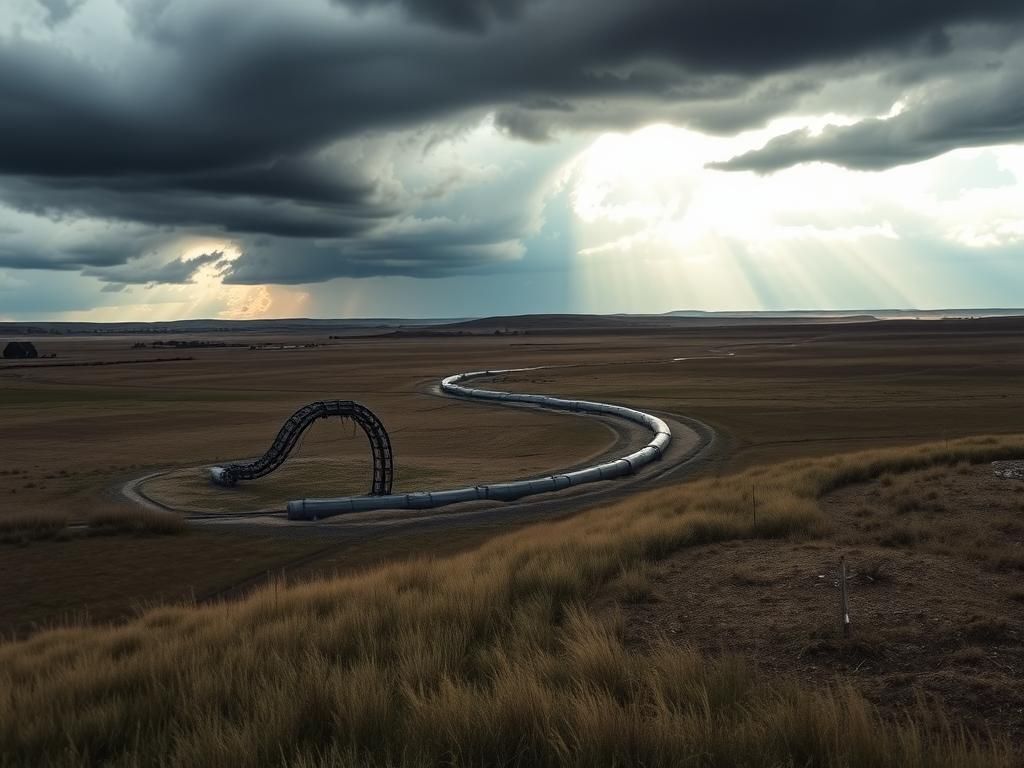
(314, 509)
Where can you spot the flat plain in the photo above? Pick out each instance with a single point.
(75, 433)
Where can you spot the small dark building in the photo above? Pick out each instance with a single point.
(20, 350)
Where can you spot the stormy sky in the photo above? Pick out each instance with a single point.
(166, 159)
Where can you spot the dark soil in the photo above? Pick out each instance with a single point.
(937, 613)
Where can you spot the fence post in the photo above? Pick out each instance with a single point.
(753, 502)
(844, 617)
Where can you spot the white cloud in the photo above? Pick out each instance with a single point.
(648, 210)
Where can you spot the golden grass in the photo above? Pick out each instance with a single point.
(488, 658)
(633, 584)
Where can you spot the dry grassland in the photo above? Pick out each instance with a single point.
(812, 391)
(495, 657)
(72, 436)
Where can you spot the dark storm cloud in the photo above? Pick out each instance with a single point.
(524, 124)
(963, 114)
(467, 15)
(435, 248)
(139, 272)
(223, 95)
(720, 105)
(752, 37)
(224, 115)
(59, 10)
(308, 262)
(176, 205)
(30, 258)
(101, 250)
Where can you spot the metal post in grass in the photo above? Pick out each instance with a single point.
(844, 617)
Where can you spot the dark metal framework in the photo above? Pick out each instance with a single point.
(299, 422)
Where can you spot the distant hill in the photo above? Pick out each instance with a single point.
(550, 323)
(584, 323)
(213, 326)
(859, 315)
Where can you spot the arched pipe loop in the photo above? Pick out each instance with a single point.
(288, 437)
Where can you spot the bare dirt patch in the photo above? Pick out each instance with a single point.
(935, 561)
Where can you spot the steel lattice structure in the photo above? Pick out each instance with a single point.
(299, 422)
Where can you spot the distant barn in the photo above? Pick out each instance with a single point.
(20, 350)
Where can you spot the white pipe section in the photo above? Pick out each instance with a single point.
(313, 509)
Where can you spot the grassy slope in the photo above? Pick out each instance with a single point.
(486, 658)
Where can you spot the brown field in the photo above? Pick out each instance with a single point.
(673, 620)
(934, 558)
(74, 435)
(78, 433)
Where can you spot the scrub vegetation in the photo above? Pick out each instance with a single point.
(21, 528)
(936, 511)
(494, 657)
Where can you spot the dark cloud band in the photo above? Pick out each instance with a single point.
(224, 118)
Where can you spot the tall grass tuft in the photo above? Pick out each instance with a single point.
(136, 521)
(23, 527)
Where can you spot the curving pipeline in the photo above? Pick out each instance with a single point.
(313, 509)
(299, 422)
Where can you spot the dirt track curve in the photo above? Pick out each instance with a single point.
(693, 445)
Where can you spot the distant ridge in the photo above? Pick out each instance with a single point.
(523, 323)
(858, 314)
(213, 326)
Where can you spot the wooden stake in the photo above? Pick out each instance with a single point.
(845, 606)
(753, 501)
